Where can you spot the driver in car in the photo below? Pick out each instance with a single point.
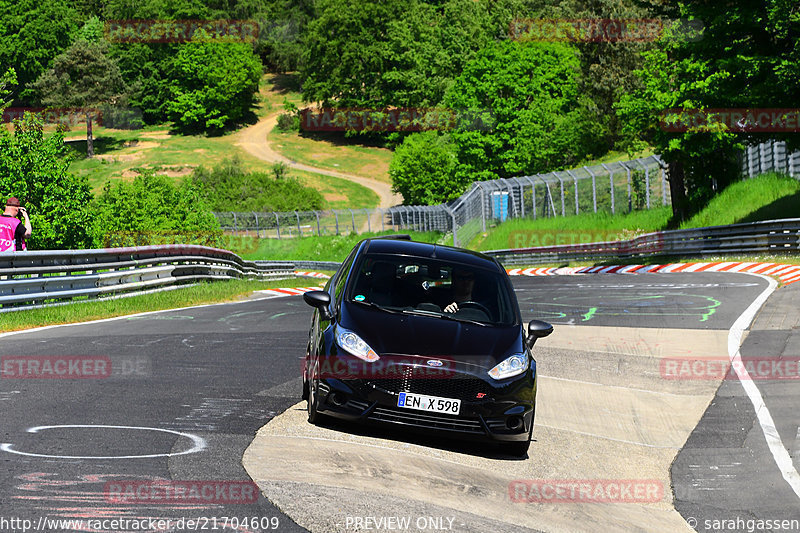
(463, 283)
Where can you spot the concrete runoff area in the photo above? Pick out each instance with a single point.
(604, 416)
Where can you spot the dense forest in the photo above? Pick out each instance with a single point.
(552, 85)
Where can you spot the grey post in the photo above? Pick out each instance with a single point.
(630, 200)
(277, 224)
(561, 182)
(594, 187)
(575, 179)
(646, 181)
(611, 183)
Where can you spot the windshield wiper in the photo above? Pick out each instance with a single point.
(376, 306)
(434, 314)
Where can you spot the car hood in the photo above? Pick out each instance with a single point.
(390, 333)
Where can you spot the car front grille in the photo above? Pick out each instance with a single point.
(431, 420)
(457, 387)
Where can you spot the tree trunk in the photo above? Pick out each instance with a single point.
(89, 141)
(677, 190)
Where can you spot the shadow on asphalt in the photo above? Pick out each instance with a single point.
(489, 450)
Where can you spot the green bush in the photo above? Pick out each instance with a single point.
(423, 167)
(153, 210)
(228, 187)
(33, 168)
(214, 82)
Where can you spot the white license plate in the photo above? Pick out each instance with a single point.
(434, 404)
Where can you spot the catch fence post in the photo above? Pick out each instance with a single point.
(611, 183)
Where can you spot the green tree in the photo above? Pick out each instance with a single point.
(84, 77)
(214, 83)
(7, 80)
(395, 52)
(150, 210)
(607, 66)
(32, 33)
(34, 168)
(537, 120)
(146, 66)
(423, 169)
(748, 57)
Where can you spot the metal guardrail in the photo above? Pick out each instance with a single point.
(39, 278)
(770, 237)
(305, 265)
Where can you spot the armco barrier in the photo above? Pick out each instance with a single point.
(42, 277)
(767, 237)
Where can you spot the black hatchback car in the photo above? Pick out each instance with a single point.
(423, 336)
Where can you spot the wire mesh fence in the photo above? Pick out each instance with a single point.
(280, 225)
(770, 156)
(616, 187)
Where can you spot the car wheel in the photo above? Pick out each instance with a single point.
(313, 401)
(305, 383)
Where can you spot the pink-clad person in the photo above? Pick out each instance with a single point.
(13, 231)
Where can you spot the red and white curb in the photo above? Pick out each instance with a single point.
(787, 274)
(293, 291)
(311, 274)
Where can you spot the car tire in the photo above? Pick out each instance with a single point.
(313, 401)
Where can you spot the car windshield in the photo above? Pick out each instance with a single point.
(433, 288)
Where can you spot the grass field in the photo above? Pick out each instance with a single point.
(767, 197)
(324, 248)
(332, 152)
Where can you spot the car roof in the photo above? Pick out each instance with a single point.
(427, 250)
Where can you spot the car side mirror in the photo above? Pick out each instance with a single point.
(538, 329)
(321, 300)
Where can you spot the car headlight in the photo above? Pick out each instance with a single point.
(352, 343)
(514, 365)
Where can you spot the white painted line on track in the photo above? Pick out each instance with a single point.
(199, 443)
(765, 420)
(796, 449)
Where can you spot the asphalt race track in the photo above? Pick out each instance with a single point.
(190, 388)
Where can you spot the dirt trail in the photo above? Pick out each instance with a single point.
(254, 141)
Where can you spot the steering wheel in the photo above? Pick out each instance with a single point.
(476, 305)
